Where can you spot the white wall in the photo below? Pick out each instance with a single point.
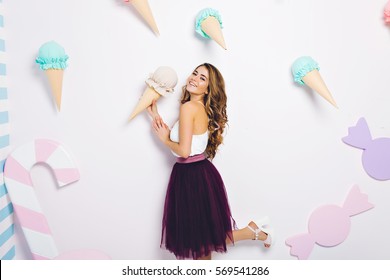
(283, 155)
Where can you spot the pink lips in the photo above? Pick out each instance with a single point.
(191, 83)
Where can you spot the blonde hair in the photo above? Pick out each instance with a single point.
(215, 104)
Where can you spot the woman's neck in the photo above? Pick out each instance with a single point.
(198, 98)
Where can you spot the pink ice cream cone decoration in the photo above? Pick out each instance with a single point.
(329, 225)
(376, 152)
(386, 12)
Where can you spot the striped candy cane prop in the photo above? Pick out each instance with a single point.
(7, 240)
(24, 200)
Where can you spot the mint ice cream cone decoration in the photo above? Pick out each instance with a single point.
(160, 83)
(143, 8)
(53, 60)
(306, 72)
(208, 24)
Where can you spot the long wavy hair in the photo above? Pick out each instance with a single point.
(215, 104)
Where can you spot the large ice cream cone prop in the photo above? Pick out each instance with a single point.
(208, 23)
(305, 72)
(55, 77)
(145, 101)
(160, 83)
(143, 8)
(53, 60)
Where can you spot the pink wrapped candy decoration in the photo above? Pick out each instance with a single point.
(376, 152)
(329, 225)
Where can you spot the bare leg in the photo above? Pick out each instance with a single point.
(246, 234)
(242, 234)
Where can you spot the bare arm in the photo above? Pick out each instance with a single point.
(186, 127)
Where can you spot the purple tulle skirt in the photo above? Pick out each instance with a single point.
(197, 218)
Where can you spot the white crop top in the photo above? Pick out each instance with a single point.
(198, 143)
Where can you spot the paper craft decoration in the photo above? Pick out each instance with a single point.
(7, 240)
(24, 200)
(329, 225)
(376, 152)
(208, 24)
(159, 83)
(306, 72)
(387, 12)
(53, 60)
(143, 8)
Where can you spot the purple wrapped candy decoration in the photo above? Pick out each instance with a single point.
(376, 152)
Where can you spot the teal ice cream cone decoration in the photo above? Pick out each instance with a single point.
(208, 24)
(306, 72)
(53, 60)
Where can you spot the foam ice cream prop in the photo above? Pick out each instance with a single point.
(143, 8)
(160, 83)
(208, 24)
(376, 152)
(306, 72)
(329, 225)
(53, 60)
(386, 12)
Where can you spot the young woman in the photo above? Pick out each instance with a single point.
(197, 218)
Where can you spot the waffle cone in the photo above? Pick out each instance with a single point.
(314, 80)
(145, 101)
(212, 27)
(55, 77)
(143, 8)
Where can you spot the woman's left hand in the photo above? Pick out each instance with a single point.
(161, 130)
(153, 112)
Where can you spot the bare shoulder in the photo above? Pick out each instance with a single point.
(190, 107)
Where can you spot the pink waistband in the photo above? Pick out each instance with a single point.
(191, 159)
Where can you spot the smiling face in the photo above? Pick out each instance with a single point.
(206, 84)
(198, 81)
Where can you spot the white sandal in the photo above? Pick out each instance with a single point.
(263, 226)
